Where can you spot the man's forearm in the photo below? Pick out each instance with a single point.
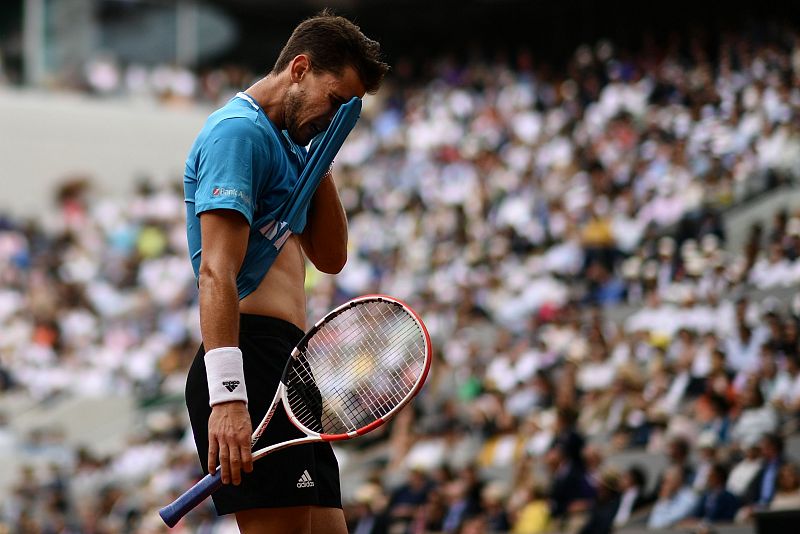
(219, 311)
(325, 236)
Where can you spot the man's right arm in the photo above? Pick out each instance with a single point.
(224, 237)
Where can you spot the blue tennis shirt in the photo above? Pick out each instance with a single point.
(241, 161)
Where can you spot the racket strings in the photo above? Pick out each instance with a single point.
(389, 348)
(358, 397)
(356, 368)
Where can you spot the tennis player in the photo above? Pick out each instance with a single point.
(239, 171)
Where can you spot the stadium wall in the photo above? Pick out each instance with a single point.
(45, 135)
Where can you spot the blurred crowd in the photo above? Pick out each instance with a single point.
(105, 76)
(516, 209)
(170, 85)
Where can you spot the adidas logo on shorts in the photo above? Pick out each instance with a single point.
(305, 480)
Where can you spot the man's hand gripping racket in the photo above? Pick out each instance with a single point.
(352, 372)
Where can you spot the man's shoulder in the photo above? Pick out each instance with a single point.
(237, 120)
(233, 121)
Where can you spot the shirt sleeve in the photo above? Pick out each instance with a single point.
(225, 176)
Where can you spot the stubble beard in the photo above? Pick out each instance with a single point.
(294, 102)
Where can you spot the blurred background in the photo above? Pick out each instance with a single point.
(593, 205)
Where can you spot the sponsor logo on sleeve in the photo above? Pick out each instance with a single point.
(230, 192)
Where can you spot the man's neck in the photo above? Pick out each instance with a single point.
(269, 92)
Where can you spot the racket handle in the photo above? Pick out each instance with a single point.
(172, 513)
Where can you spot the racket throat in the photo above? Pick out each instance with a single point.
(278, 446)
(268, 416)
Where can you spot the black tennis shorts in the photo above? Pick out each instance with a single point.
(303, 475)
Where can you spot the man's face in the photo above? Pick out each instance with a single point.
(314, 98)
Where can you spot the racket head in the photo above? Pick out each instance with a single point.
(356, 368)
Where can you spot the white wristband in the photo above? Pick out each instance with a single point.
(225, 374)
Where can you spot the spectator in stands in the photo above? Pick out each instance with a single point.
(409, 497)
(606, 505)
(756, 419)
(786, 395)
(597, 373)
(745, 471)
(675, 502)
(719, 383)
(790, 336)
(707, 445)
(678, 452)
(593, 463)
(771, 269)
(463, 496)
(787, 494)
(773, 381)
(633, 487)
(716, 504)
(459, 506)
(494, 511)
(717, 423)
(534, 516)
(743, 347)
(570, 490)
(762, 488)
(604, 288)
(430, 516)
(371, 515)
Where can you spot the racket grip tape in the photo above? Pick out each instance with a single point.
(172, 513)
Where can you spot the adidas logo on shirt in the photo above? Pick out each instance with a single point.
(305, 480)
(231, 385)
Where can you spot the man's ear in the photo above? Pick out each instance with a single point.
(299, 67)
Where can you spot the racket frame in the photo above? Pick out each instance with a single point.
(280, 394)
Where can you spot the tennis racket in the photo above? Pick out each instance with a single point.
(352, 372)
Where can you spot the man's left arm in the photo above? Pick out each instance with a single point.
(324, 239)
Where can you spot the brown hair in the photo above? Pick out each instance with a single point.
(332, 43)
